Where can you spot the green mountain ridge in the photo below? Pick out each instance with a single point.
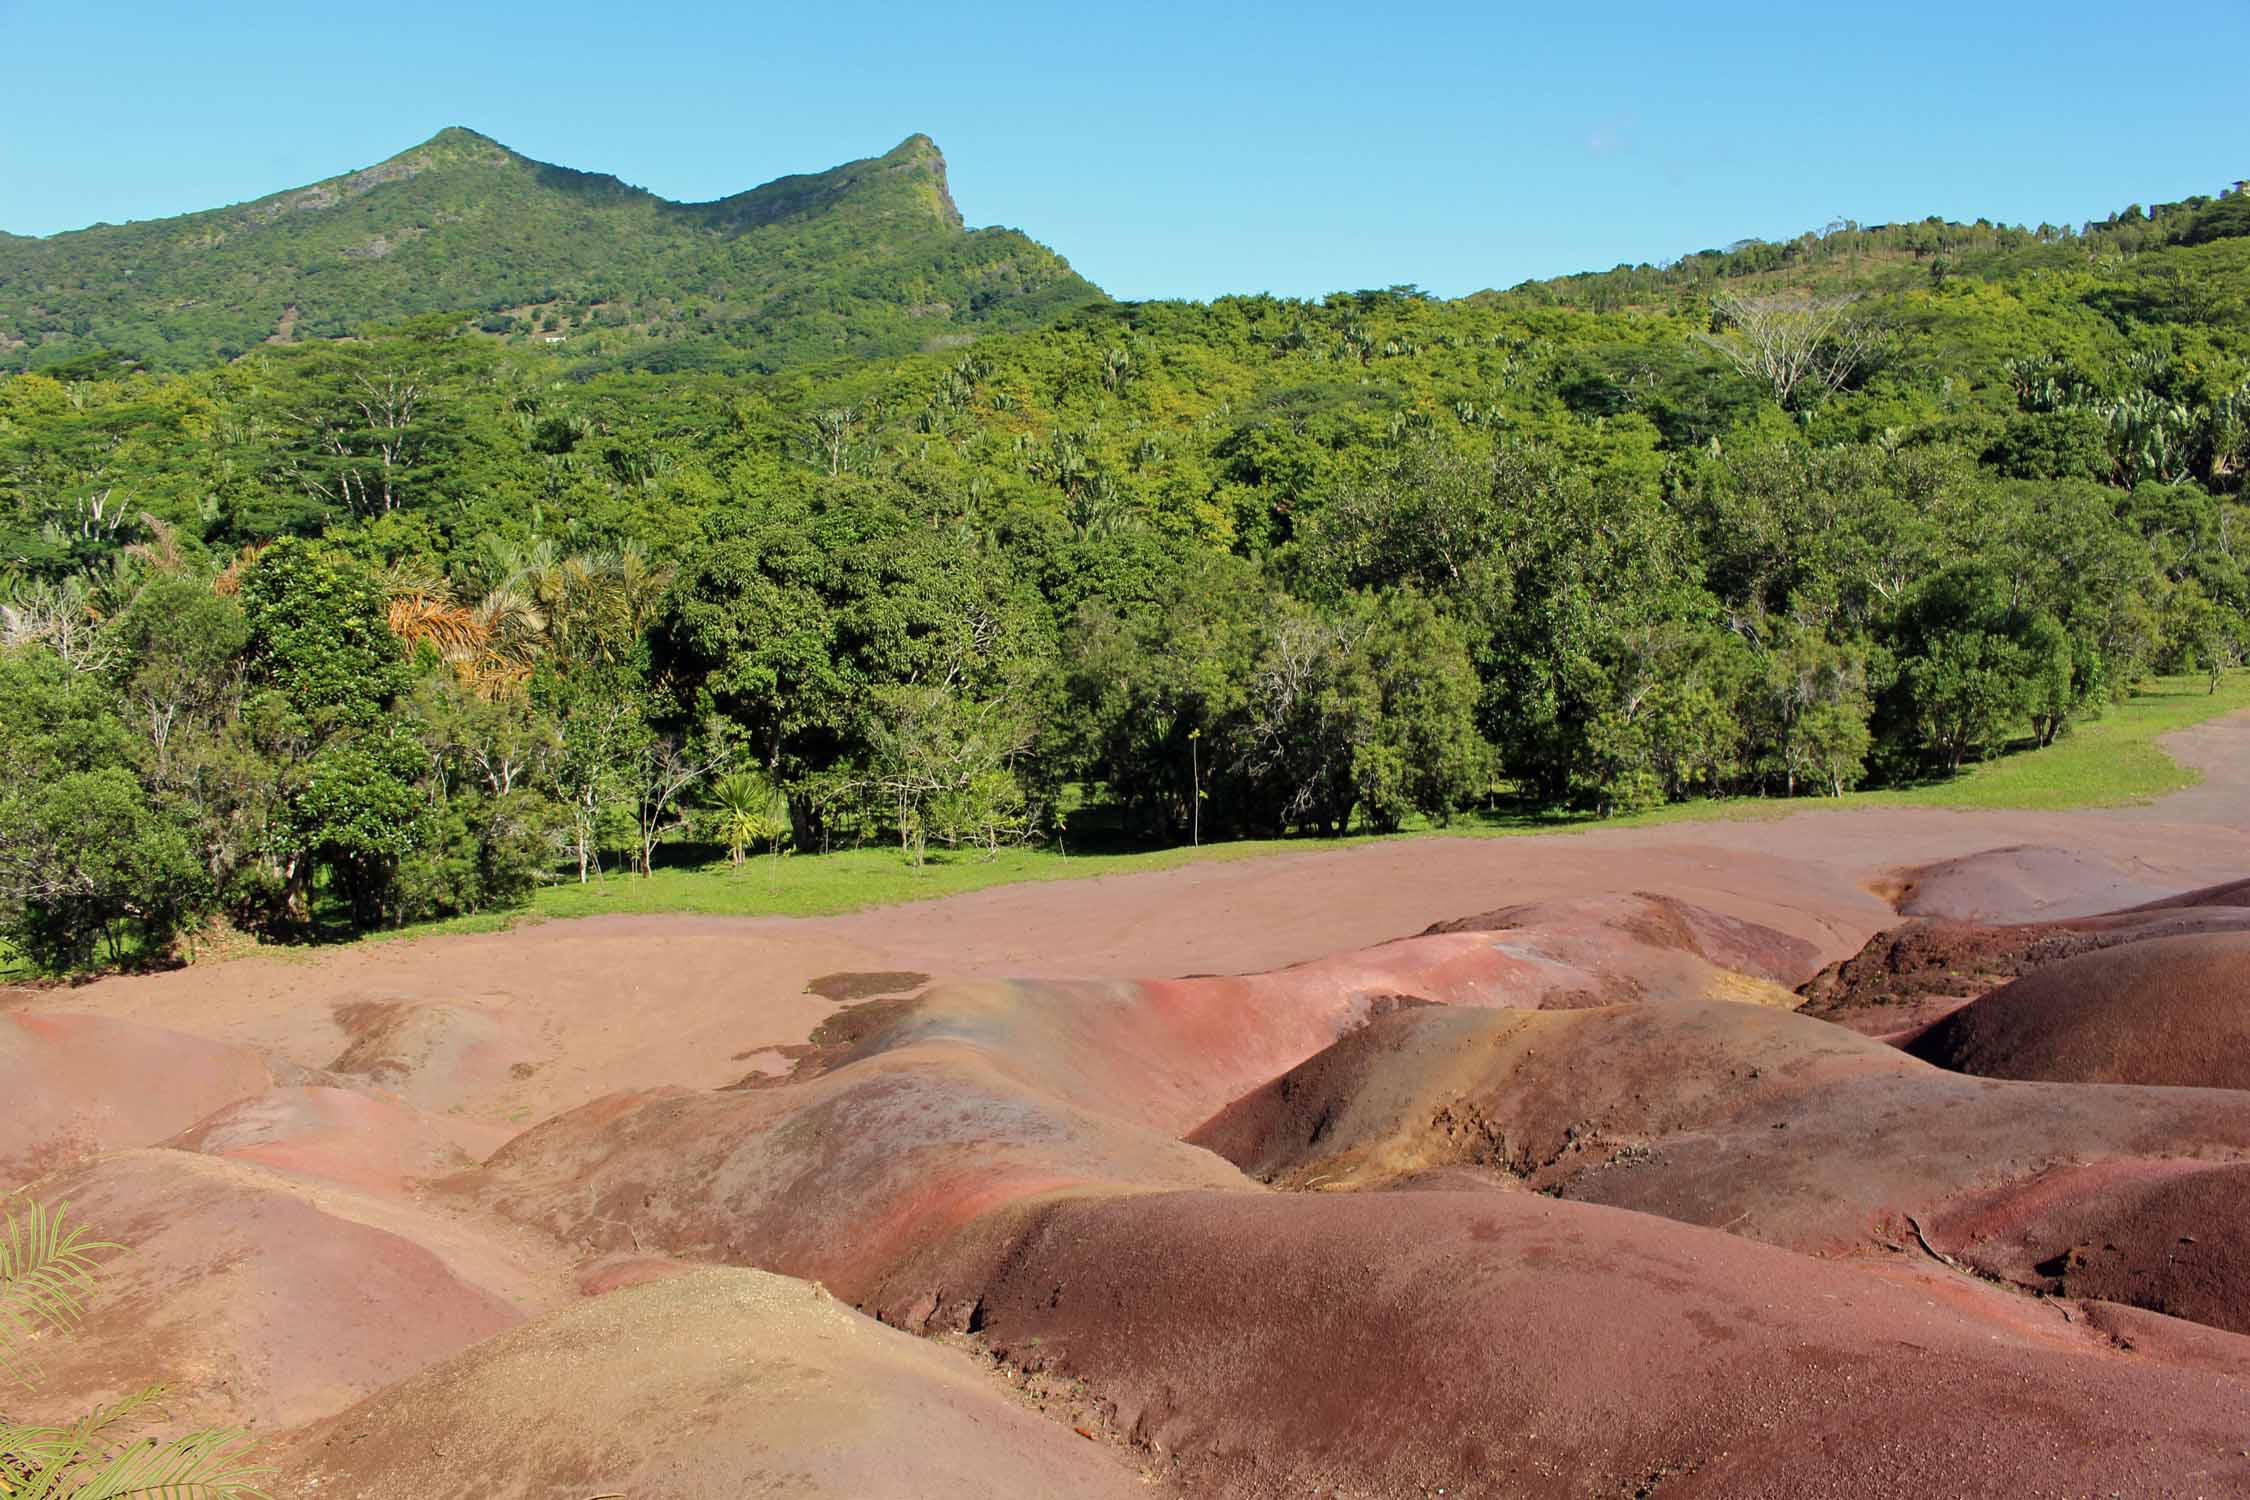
(867, 258)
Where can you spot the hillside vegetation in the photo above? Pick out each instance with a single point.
(869, 258)
(344, 634)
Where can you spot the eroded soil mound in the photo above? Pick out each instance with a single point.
(2227, 893)
(2027, 883)
(1504, 1344)
(939, 1109)
(907, 1117)
(2171, 1010)
(1661, 923)
(711, 1386)
(2165, 1237)
(1767, 1124)
(269, 1302)
(434, 1054)
(342, 1136)
(1916, 974)
(1764, 1267)
(75, 1085)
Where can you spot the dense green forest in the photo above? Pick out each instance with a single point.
(869, 258)
(347, 633)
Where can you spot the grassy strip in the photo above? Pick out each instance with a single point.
(2107, 762)
(2111, 761)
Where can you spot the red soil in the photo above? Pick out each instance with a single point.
(1506, 1345)
(713, 1386)
(75, 1085)
(2171, 1010)
(2165, 1236)
(1913, 976)
(2026, 883)
(1772, 1125)
(1002, 1154)
(361, 1140)
(266, 1301)
(1661, 923)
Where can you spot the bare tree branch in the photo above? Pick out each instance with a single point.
(1795, 344)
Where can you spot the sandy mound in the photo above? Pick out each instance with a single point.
(2025, 884)
(833, 1178)
(1916, 974)
(270, 1302)
(712, 1386)
(2230, 893)
(2162, 1237)
(1003, 1156)
(1659, 924)
(2172, 1010)
(1770, 1125)
(909, 1116)
(433, 1054)
(341, 1136)
(1507, 1345)
(1529, 1097)
(73, 1086)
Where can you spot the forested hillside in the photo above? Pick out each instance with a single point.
(869, 258)
(348, 633)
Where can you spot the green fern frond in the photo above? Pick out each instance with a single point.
(59, 1447)
(31, 1455)
(46, 1275)
(80, 1463)
(200, 1466)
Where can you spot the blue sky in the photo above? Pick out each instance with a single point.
(1177, 150)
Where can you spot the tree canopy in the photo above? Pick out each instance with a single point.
(342, 634)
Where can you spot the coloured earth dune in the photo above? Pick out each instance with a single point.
(1854, 1153)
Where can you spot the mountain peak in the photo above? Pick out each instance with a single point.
(919, 153)
(869, 255)
(453, 143)
(915, 145)
(461, 135)
(907, 181)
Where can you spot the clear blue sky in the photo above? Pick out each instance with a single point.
(1172, 149)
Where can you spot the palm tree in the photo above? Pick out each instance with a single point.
(586, 607)
(514, 630)
(47, 1272)
(422, 608)
(229, 581)
(748, 809)
(160, 553)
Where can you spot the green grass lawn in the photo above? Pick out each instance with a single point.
(2105, 762)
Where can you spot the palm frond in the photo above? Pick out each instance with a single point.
(413, 577)
(161, 551)
(455, 632)
(35, 1460)
(47, 1270)
(46, 1275)
(211, 1465)
(229, 580)
(493, 677)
